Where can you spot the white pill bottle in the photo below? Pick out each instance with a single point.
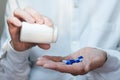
(36, 33)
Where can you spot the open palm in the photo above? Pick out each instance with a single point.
(93, 59)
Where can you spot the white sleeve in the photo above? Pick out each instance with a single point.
(14, 65)
(111, 69)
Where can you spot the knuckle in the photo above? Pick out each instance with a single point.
(9, 19)
(32, 10)
(28, 9)
(16, 11)
(36, 14)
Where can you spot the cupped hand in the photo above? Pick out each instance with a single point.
(92, 59)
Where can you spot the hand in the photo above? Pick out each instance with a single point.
(15, 23)
(93, 59)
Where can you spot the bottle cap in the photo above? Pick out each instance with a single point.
(55, 34)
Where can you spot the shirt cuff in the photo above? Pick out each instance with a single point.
(110, 63)
(17, 56)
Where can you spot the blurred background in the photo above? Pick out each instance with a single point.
(2, 11)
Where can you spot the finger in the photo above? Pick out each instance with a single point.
(14, 21)
(38, 18)
(48, 21)
(24, 16)
(14, 26)
(68, 57)
(44, 46)
(59, 66)
(41, 61)
(44, 59)
(54, 58)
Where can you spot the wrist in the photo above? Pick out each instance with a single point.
(16, 47)
(16, 56)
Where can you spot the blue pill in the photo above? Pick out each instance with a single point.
(72, 60)
(80, 57)
(66, 62)
(69, 62)
(78, 60)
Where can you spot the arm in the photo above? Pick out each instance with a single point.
(14, 65)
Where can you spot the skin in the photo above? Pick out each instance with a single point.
(15, 23)
(93, 58)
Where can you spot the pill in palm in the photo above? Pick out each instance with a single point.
(71, 61)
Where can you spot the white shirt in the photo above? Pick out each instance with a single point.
(81, 23)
